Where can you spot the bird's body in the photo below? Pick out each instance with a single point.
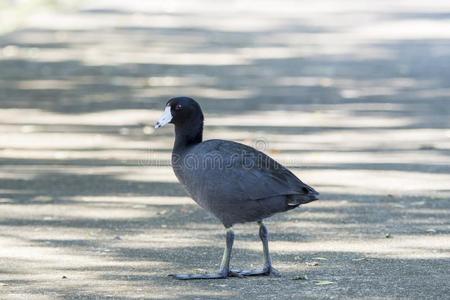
(238, 183)
(234, 182)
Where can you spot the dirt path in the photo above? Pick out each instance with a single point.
(352, 96)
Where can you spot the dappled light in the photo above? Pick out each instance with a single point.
(352, 96)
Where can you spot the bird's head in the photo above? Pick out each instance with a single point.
(180, 111)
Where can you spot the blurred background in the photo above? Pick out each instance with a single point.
(352, 95)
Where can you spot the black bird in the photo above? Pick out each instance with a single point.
(234, 182)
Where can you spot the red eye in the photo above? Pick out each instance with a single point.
(178, 107)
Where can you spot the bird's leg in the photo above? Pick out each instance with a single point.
(267, 268)
(224, 270)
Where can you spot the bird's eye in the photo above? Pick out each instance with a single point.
(178, 107)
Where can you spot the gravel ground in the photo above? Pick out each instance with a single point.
(353, 96)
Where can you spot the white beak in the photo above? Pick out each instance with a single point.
(165, 118)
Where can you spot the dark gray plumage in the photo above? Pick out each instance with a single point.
(235, 182)
(238, 183)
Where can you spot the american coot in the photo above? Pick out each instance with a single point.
(234, 182)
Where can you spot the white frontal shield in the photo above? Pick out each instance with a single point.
(165, 118)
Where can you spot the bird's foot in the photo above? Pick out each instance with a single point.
(219, 275)
(264, 271)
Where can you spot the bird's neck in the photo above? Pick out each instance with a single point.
(188, 135)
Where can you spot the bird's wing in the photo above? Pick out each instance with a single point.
(244, 173)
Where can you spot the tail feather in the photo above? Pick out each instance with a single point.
(309, 194)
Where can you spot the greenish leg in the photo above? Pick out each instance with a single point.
(224, 270)
(267, 268)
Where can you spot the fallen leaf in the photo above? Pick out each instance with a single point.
(360, 259)
(324, 282)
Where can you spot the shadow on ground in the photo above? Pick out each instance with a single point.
(89, 207)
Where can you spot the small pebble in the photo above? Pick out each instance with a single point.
(300, 277)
